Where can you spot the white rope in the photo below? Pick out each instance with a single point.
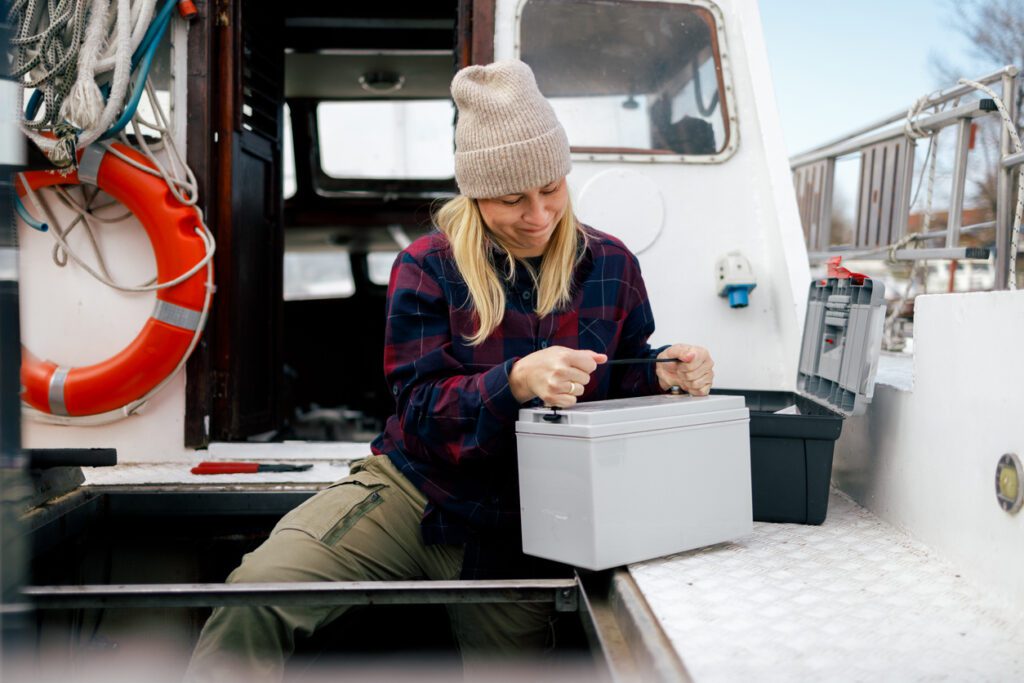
(1011, 128)
(910, 125)
(142, 14)
(122, 75)
(101, 272)
(914, 131)
(86, 102)
(180, 179)
(59, 256)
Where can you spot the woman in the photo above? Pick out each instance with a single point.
(511, 302)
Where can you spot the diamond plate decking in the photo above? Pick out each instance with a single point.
(852, 600)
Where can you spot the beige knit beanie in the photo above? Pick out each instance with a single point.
(507, 138)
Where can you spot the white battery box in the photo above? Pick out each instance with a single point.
(607, 483)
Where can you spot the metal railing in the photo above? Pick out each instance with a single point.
(886, 183)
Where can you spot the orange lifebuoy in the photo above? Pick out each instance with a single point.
(167, 335)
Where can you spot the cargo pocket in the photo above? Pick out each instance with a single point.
(356, 513)
(333, 512)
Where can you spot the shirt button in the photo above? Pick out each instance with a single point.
(544, 344)
(394, 390)
(526, 295)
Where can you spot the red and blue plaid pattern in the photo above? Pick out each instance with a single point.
(453, 433)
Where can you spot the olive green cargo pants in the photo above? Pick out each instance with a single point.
(365, 527)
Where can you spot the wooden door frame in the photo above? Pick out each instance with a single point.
(201, 135)
(215, 135)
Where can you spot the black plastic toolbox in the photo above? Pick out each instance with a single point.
(791, 454)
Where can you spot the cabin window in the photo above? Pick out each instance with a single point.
(396, 139)
(378, 266)
(320, 273)
(288, 157)
(845, 194)
(630, 77)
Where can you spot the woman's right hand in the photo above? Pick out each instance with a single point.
(556, 375)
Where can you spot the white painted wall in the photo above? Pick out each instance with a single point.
(925, 459)
(746, 203)
(70, 318)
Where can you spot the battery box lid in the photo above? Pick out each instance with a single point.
(630, 415)
(842, 340)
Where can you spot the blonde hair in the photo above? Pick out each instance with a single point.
(471, 242)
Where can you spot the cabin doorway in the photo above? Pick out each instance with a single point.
(332, 139)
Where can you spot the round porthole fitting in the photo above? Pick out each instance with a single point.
(1010, 483)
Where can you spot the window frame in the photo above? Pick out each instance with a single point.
(725, 88)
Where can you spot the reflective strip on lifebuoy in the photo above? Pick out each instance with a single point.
(178, 316)
(56, 391)
(164, 339)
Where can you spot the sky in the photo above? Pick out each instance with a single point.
(839, 65)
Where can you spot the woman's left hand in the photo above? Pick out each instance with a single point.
(693, 374)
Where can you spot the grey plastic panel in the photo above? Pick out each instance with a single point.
(842, 342)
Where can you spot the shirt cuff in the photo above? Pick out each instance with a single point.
(652, 376)
(497, 392)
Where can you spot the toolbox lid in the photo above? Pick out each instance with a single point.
(630, 415)
(842, 340)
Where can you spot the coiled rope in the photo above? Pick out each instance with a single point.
(62, 49)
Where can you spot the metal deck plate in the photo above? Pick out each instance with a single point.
(853, 600)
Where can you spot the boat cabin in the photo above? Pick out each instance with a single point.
(319, 138)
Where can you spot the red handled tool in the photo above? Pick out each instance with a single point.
(208, 467)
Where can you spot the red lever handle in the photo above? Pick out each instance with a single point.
(207, 467)
(835, 270)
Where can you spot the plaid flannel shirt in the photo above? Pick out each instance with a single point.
(453, 432)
